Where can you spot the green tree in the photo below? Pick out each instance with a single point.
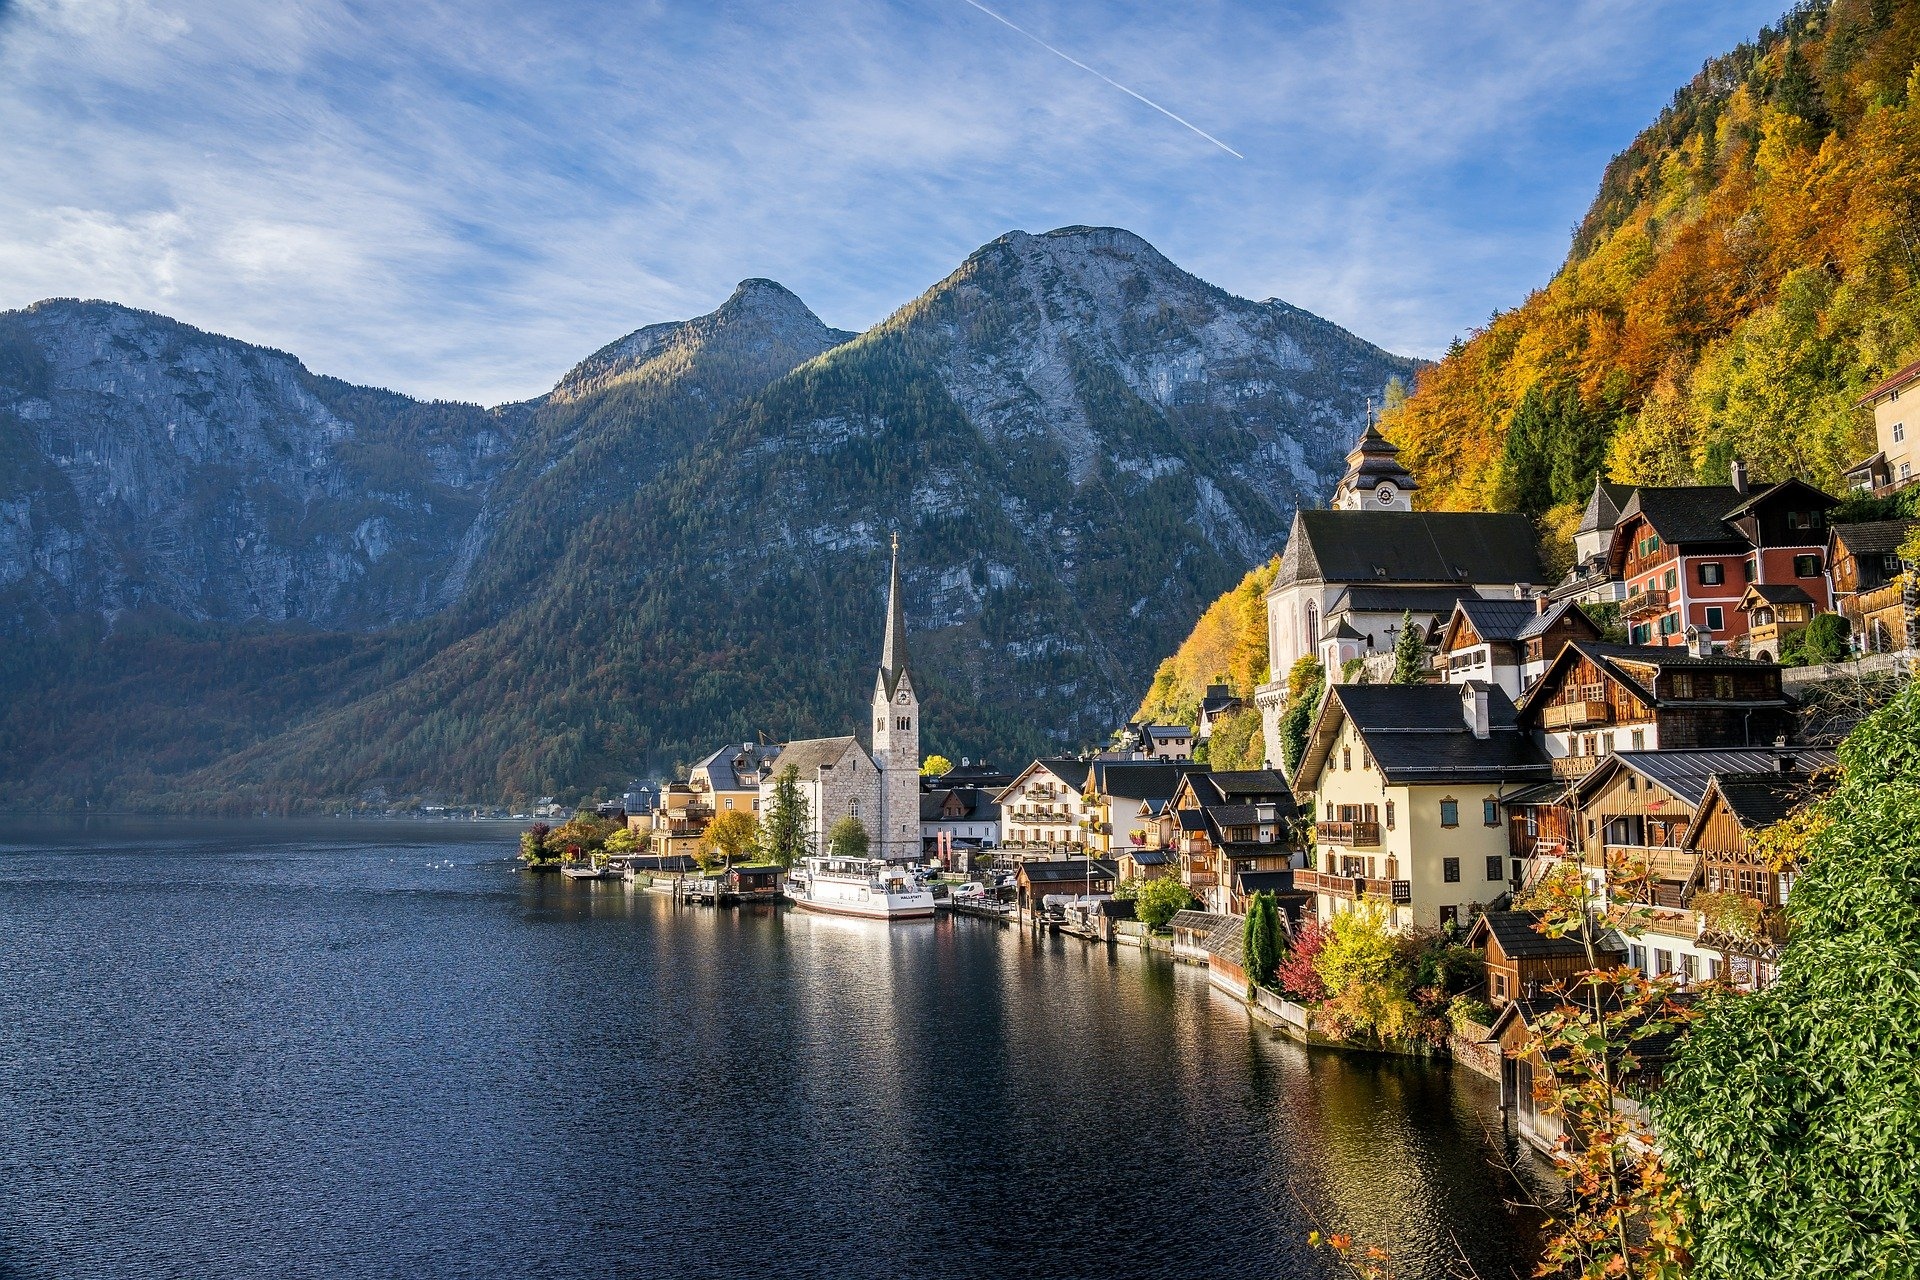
(1306, 681)
(1793, 1114)
(1155, 901)
(784, 838)
(1264, 940)
(848, 839)
(1409, 652)
(935, 766)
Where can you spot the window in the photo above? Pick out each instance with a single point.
(1450, 870)
(1494, 869)
(729, 802)
(1490, 815)
(1346, 758)
(1662, 961)
(1682, 685)
(1899, 432)
(1716, 618)
(1672, 579)
(1389, 815)
(1803, 519)
(1906, 472)
(1450, 815)
(1637, 957)
(1723, 686)
(853, 807)
(1639, 739)
(1606, 743)
(1807, 566)
(1669, 624)
(1712, 574)
(1499, 986)
(1641, 633)
(1449, 916)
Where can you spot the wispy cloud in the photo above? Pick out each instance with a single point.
(461, 199)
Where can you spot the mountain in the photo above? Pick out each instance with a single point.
(1081, 445)
(1747, 268)
(145, 465)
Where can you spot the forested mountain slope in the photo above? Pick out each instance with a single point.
(1080, 444)
(1746, 270)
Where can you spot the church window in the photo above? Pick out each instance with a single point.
(853, 807)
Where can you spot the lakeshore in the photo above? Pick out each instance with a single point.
(363, 1050)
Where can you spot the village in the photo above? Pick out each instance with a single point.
(1446, 740)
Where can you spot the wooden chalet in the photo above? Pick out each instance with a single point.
(1523, 963)
(1039, 878)
(1775, 612)
(1508, 642)
(1228, 826)
(1596, 699)
(1870, 588)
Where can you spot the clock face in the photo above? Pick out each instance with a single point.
(1386, 493)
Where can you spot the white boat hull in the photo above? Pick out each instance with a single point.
(869, 890)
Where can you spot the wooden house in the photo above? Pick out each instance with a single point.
(1870, 587)
(1524, 963)
(1596, 699)
(1774, 612)
(1508, 642)
(1229, 825)
(755, 882)
(1039, 878)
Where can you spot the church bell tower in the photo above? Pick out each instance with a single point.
(1375, 479)
(896, 735)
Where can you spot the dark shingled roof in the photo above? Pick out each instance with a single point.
(1779, 593)
(1610, 657)
(1434, 600)
(1140, 779)
(1498, 620)
(1759, 800)
(1409, 547)
(1247, 782)
(1686, 513)
(738, 765)
(1515, 932)
(1820, 497)
(1275, 882)
(1148, 857)
(1603, 507)
(1540, 622)
(1419, 733)
(1874, 535)
(1062, 870)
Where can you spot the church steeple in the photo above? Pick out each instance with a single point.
(893, 654)
(1375, 480)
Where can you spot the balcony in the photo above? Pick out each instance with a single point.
(1573, 768)
(1358, 835)
(1671, 923)
(1202, 879)
(1645, 604)
(1575, 715)
(1350, 887)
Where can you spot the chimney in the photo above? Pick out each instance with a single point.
(1784, 763)
(1540, 599)
(1740, 475)
(1473, 707)
(1521, 590)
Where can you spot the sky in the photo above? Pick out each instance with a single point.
(461, 200)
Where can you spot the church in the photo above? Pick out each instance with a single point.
(880, 788)
(1350, 575)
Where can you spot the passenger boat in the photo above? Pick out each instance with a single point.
(866, 887)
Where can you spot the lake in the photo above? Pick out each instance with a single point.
(373, 1049)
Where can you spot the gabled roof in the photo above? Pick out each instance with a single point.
(1684, 514)
(737, 766)
(1518, 937)
(1494, 621)
(1894, 383)
(1140, 779)
(1064, 870)
(1759, 800)
(1617, 661)
(1246, 782)
(1686, 773)
(1146, 857)
(1418, 734)
(808, 754)
(1219, 935)
(1274, 882)
(1071, 770)
(1415, 547)
(1821, 497)
(1540, 623)
(1434, 600)
(1871, 536)
(1776, 593)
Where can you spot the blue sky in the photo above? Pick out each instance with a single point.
(462, 199)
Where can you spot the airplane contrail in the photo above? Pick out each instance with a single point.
(1109, 79)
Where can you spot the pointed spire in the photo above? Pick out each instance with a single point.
(893, 657)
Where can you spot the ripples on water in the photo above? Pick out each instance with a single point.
(373, 1050)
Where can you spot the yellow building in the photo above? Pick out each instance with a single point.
(1896, 417)
(1405, 783)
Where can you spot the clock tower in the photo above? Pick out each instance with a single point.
(1375, 480)
(896, 735)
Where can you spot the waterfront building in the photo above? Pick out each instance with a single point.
(1234, 834)
(1216, 940)
(1123, 799)
(1523, 963)
(1871, 586)
(1037, 879)
(1595, 699)
(1405, 784)
(730, 777)
(957, 821)
(1891, 466)
(1042, 809)
(1348, 576)
(881, 788)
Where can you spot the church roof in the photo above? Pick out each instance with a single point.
(809, 754)
(1411, 547)
(1603, 508)
(893, 654)
(1373, 460)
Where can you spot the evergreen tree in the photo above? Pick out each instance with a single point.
(1263, 940)
(784, 830)
(1409, 652)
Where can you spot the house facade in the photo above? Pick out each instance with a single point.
(1508, 642)
(1405, 784)
(1893, 463)
(1872, 587)
(1233, 834)
(1043, 808)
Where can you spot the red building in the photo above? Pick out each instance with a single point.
(1688, 555)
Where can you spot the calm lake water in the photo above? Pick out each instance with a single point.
(361, 1049)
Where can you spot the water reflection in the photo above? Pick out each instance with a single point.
(397, 1057)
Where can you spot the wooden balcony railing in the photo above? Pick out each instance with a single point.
(1201, 879)
(1574, 715)
(1568, 768)
(1359, 835)
(1647, 602)
(1353, 886)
